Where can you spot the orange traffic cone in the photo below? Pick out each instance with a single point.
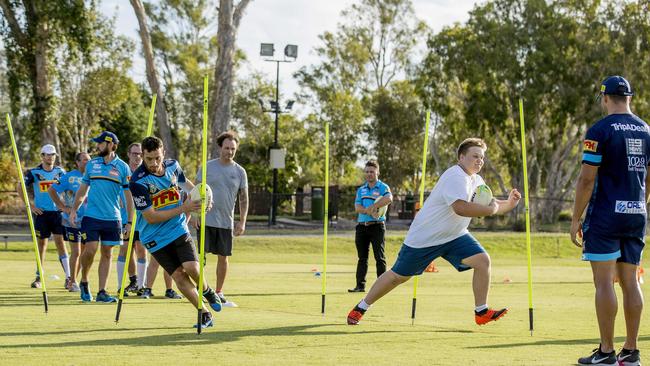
(432, 267)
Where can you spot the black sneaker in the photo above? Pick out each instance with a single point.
(146, 293)
(629, 358)
(206, 321)
(126, 294)
(599, 358)
(133, 285)
(213, 300)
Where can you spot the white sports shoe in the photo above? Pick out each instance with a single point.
(74, 287)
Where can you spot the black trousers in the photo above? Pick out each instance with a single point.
(364, 236)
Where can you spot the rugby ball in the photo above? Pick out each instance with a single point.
(482, 195)
(195, 195)
(382, 210)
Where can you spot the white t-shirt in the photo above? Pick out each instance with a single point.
(437, 223)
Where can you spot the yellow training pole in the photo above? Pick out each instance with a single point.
(29, 211)
(422, 185)
(326, 218)
(204, 170)
(528, 250)
(152, 110)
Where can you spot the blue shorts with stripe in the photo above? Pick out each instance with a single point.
(602, 247)
(74, 235)
(413, 261)
(108, 232)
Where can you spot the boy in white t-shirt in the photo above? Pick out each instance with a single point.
(440, 230)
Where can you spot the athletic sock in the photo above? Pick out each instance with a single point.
(363, 305)
(121, 262)
(481, 309)
(141, 269)
(65, 262)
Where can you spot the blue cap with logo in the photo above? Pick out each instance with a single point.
(616, 85)
(107, 136)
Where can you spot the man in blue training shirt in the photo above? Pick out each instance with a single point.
(47, 219)
(370, 228)
(68, 185)
(613, 180)
(162, 222)
(106, 176)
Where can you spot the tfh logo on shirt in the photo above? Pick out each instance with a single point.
(45, 184)
(590, 145)
(165, 198)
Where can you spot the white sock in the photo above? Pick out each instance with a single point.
(141, 268)
(480, 308)
(121, 262)
(363, 304)
(65, 262)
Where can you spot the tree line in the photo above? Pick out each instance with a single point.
(64, 76)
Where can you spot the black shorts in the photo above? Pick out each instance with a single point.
(217, 240)
(174, 254)
(48, 223)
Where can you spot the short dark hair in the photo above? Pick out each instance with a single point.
(231, 135)
(128, 150)
(77, 157)
(471, 142)
(152, 143)
(372, 163)
(618, 99)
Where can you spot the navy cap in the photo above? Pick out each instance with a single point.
(107, 136)
(616, 85)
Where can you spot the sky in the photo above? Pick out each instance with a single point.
(285, 22)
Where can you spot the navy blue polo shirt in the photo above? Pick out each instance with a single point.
(619, 145)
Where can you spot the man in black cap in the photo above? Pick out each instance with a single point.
(613, 181)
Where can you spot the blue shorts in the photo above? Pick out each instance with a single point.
(74, 235)
(413, 261)
(48, 223)
(108, 232)
(601, 248)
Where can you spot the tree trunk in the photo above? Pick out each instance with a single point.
(224, 71)
(152, 78)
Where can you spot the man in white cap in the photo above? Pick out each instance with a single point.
(47, 218)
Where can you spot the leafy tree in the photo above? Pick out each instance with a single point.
(32, 30)
(369, 51)
(553, 54)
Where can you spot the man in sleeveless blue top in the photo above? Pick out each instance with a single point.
(47, 218)
(612, 187)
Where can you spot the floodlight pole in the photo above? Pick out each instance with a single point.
(274, 201)
(277, 111)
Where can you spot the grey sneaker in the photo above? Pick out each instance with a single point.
(171, 294)
(74, 287)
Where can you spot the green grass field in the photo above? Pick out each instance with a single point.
(279, 320)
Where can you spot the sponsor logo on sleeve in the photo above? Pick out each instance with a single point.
(630, 207)
(140, 201)
(590, 145)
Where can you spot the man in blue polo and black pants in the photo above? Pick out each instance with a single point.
(371, 196)
(105, 178)
(614, 182)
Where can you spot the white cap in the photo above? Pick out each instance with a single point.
(48, 149)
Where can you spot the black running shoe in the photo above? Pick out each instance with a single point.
(146, 293)
(629, 358)
(213, 300)
(133, 285)
(599, 358)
